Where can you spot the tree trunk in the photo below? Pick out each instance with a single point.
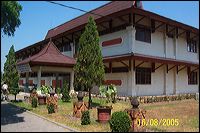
(90, 100)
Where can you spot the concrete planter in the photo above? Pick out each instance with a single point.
(104, 113)
(42, 100)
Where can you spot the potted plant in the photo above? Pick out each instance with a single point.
(104, 111)
(42, 94)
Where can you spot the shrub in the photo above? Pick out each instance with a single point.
(65, 92)
(58, 90)
(120, 122)
(85, 119)
(52, 104)
(193, 96)
(50, 108)
(34, 102)
(45, 89)
(109, 91)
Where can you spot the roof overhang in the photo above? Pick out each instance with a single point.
(55, 32)
(148, 58)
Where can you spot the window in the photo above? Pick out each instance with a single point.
(46, 74)
(61, 48)
(67, 47)
(119, 69)
(76, 45)
(192, 46)
(20, 82)
(143, 75)
(143, 34)
(33, 74)
(192, 78)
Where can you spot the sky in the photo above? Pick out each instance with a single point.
(37, 17)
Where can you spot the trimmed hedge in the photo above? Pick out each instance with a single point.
(85, 118)
(120, 122)
(34, 102)
(152, 99)
(50, 108)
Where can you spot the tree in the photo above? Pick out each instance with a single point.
(65, 92)
(1, 77)
(89, 68)
(11, 76)
(10, 13)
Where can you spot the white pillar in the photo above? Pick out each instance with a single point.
(175, 47)
(165, 80)
(131, 37)
(72, 81)
(133, 80)
(165, 45)
(175, 81)
(72, 49)
(39, 77)
(130, 82)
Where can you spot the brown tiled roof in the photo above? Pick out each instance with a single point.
(114, 7)
(111, 8)
(104, 10)
(49, 55)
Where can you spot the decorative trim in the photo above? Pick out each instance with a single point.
(115, 82)
(112, 42)
(42, 82)
(30, 82)
(54, 83)
(21, 82)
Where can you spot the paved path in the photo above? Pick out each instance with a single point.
(14, 119)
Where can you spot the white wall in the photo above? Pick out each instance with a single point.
(182, 83)
(157, 83)
(170, 80)
(170, 48)
(118, 49)
(155, 48)
(183, 54)
(123, 89)
(48, 80)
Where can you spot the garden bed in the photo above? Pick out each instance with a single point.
(188, 108)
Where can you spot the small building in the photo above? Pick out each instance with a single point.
(143, 53)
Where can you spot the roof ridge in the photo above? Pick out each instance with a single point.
(41, 52)
(79, 16)
(58, 50)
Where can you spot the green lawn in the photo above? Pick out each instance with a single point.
(186, 111)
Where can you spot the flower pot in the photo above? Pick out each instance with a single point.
(104, 113)
(42, 100)
(80, 96)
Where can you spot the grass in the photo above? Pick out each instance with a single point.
(194, 122)
(23, 105)
(186, 111)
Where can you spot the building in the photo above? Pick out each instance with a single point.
(144, 53)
